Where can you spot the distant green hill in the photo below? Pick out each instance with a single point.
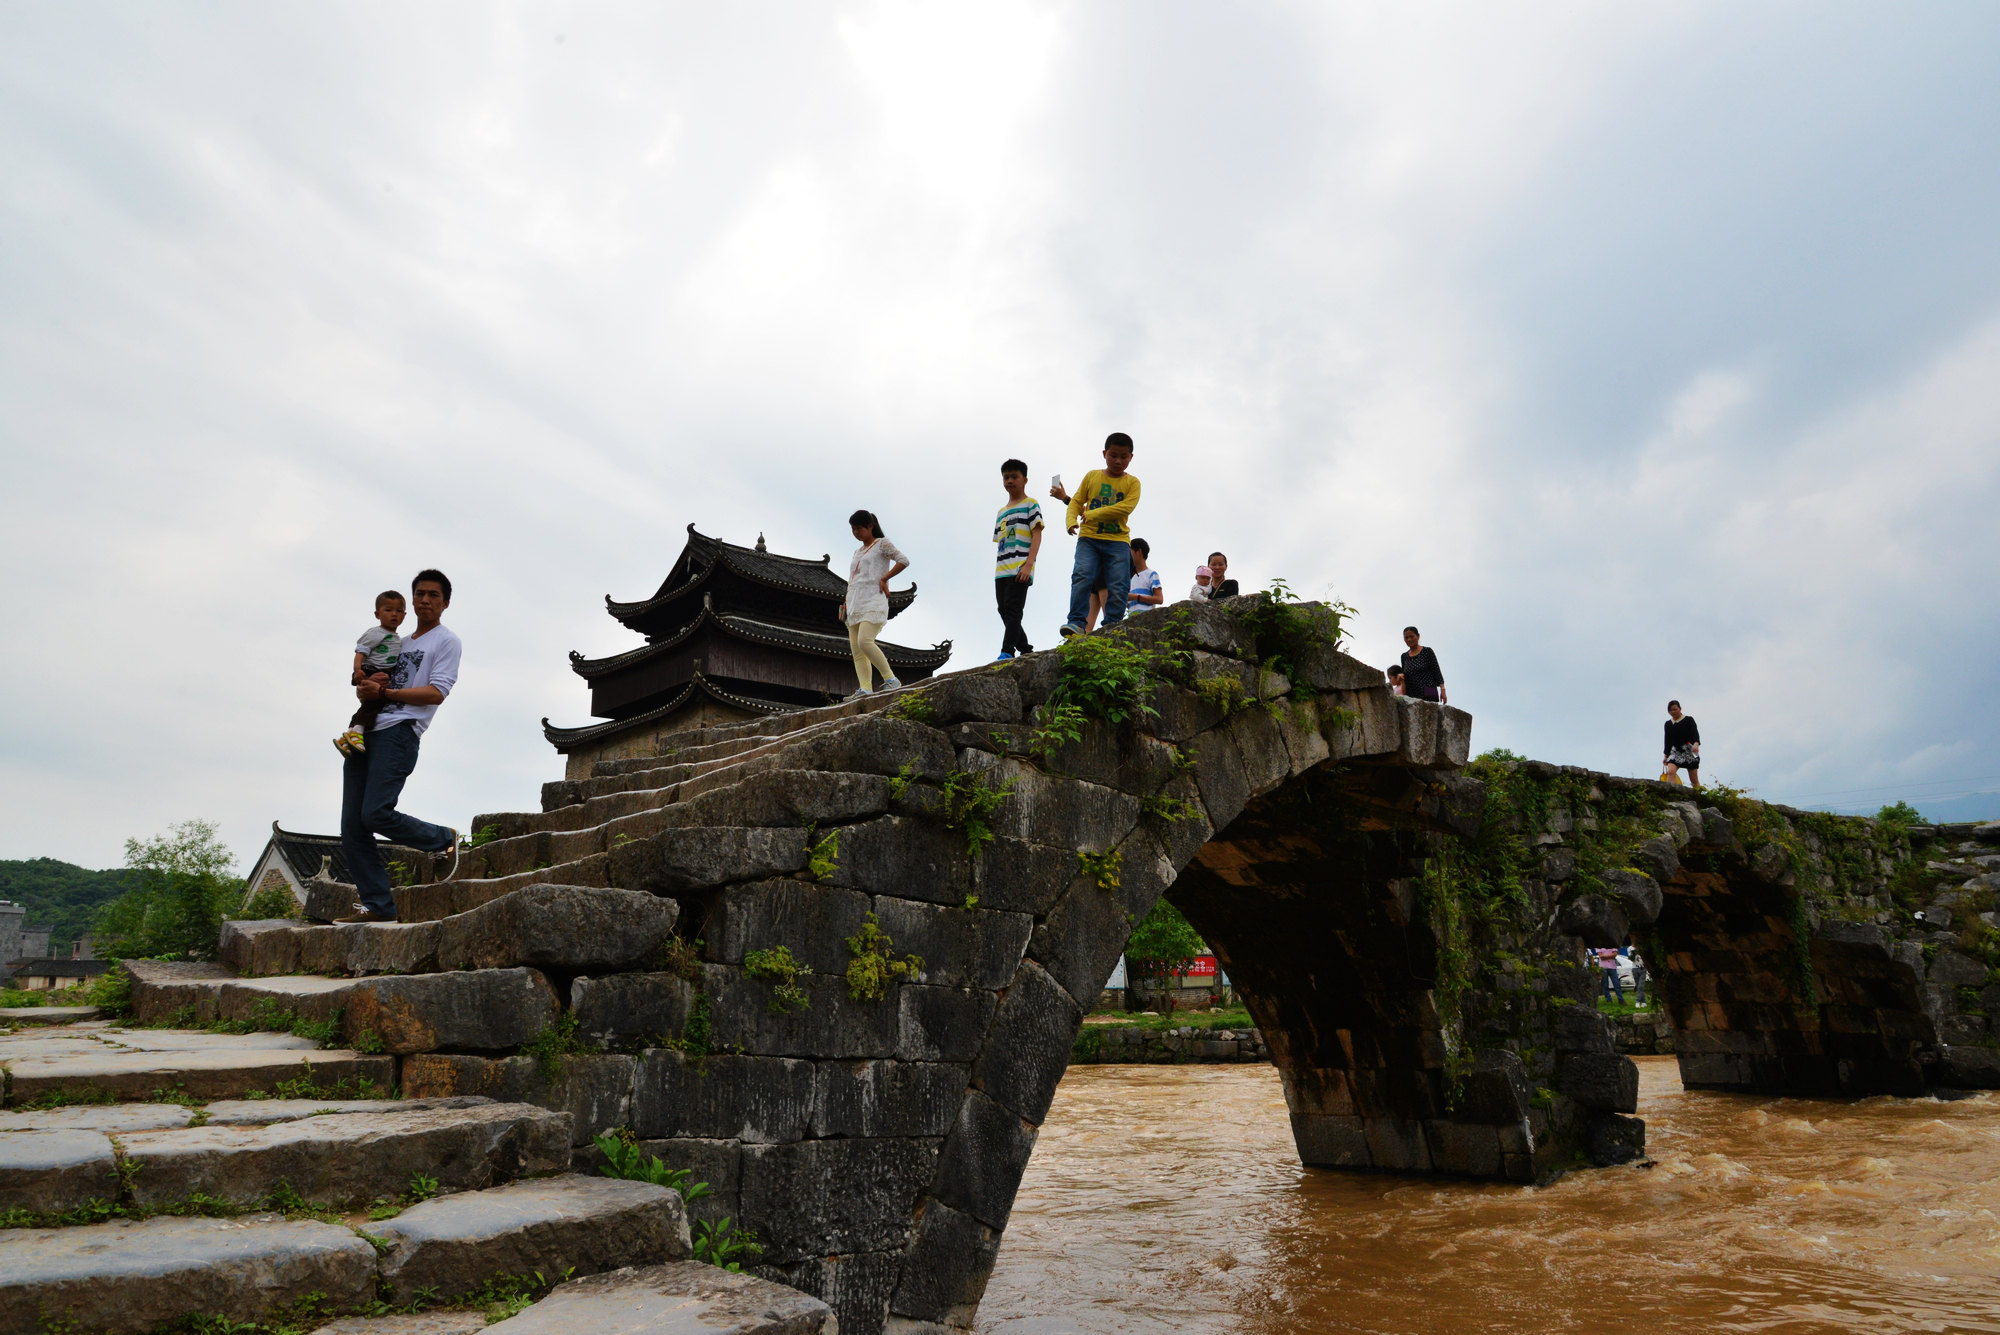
(59, 895)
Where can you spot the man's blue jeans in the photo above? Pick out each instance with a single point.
(1612, 990)
(1114, 560)
(370, 785)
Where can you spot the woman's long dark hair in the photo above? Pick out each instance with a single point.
(867, 517)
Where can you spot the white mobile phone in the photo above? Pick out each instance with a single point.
(1055, 483)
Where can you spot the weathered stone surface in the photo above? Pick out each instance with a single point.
(960, 947)
(755, 1100)
(480, 1009)
(49, 1172)
(35, 1017)
(1595, 920)
(1582, 1029)
(1608, 1082)
(139, 1275)
(162, 988)
(1637, 894)
(812, 921)
(678, 860)
(983, 1158)
(446, 1321)
(1558, 864)
(1611, 1139)
(1658, 857)
(453, 1245)
(1015, 876)
(114, 1119)
(741, 1017)
(678, 1298)
(942, 1024)
(1951, 968)
(886, 1098)
(906, 857)
(948, 1266)
(1027, 1047)
(262, 946)
(594, 1090)
(857, 1286)
(1497, 1089)
(348, 1158)
(785, 1198)
(258, 1112)
(986, 697)
(568, 927)
(211, 1074)
(794, 797)
(650, 1006)
(1420, 726)
(717, 1164)
(1971, 1068)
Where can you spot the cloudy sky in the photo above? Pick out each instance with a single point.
(1631, 351)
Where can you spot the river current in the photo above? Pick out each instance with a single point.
(1169, 1198)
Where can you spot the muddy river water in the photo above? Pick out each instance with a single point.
(1169, 1198)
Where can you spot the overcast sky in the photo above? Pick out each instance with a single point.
(1630, 351)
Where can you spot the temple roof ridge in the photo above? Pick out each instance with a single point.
(796, 574)
(758, 631)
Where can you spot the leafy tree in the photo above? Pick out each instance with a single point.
(1162, 949)
(60, 896)
(1900, 813)
(181, 888)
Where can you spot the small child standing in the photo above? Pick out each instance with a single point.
(1018, 530)
(1146, 590)
(374, 656)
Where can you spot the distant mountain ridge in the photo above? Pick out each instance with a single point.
(60, 895)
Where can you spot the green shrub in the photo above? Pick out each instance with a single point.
(778, 967)
(871, 969)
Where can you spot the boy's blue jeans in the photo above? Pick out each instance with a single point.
(370, 784)
(1612, 990)
(1114, 561)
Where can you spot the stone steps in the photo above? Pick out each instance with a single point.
(468, 1009)
(35, 1017)
(136, 1275)
(568, 927)
(197, 1066)
(679, 1298)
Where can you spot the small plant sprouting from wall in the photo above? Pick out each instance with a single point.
(1167, 810)
(872, 968)
(916, 707)
(1107, 869)
(624, 1159)
(968, 801)
(557, 1041)
(778, 967)
(822, 853)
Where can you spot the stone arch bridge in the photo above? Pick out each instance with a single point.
(711, 947)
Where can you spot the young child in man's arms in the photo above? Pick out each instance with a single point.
(374, 656)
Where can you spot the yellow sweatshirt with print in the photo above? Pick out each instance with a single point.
(1106, 504)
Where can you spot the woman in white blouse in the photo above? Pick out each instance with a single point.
(866, 610)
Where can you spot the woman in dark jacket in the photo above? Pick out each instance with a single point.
(1422, 677)
(1683, 745)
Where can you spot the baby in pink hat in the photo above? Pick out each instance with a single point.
(1203, 578)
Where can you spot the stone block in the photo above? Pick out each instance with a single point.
(650, 1007)
(1582, 1029)
(1467, 1149)
(1398, 1144)
(1261, 747)
(347, 1159)
(945, 1274)
(1363, 723)
(398, 947)
(1304, 737)
(886, 1098)
(756, 1100)
(942, 1024)
(1595, 920)
(1558, 865)
(479, 1009)
(960, 947)
(212, 1073)
(1497, 1088)
(1717, 830)
(130, 1276)
(786, 1197)
(161, 989)
(595, 1090)
(677, 1298)
(112, 1119)
(906, 857)
(1328, 669)
(832, 1025)
(812, 921)
(567, 927)
(453, 1245)
(1610, 1139)
(257, 1112)
(676, 861)
(1658, 857)
(268, 945)
(1951, 968)
(49, 1172)
(717, 1164)
(1219, 774)
(1065, 812)
(1419, 727)
(984, 697)
(1454, 738)
(1636, 894)
(1015, 876)
(1027, 1046)
(857, 1286)
(980, 1167)
(795, 797)
(1970, 1068)
(1595, 1080)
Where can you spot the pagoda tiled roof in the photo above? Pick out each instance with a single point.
(794, 574)
(758, 632)
(563, 739)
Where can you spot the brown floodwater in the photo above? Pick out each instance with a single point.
(1170, 1198)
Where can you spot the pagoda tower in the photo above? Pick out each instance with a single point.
(733, 633)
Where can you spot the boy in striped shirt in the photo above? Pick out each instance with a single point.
(1018, 530)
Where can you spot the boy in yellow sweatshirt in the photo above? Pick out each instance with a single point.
(1102, 507)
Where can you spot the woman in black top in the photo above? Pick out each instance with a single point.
(1683, 745)
(1220, 587)
(1422, 677)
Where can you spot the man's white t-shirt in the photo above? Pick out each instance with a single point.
(1145, 581)
(430, 659)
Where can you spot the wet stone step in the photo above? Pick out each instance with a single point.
(141, 1275)
(453, 1245)
(347, 1158)
(678, 1298)
(202, 1074)
(38, 1016)
(56, 1171)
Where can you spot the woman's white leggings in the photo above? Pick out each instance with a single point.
(861, 639)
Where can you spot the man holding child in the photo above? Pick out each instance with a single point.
(1102, 509)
